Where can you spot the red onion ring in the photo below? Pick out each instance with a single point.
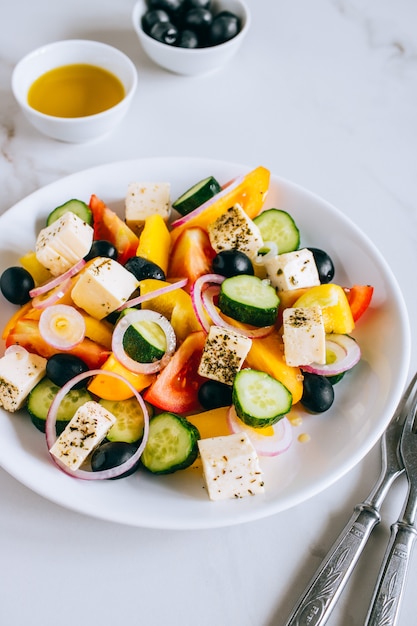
(123, 324)
(54, 282)
(186, 218)
(347, 352)
(73, 327)
(51, 435)
(196, 297)
(179, 284)
(265, 445)
(43, 301)
(251, 333)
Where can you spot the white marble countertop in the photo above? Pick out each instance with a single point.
(323, 93)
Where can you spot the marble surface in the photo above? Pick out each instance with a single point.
(323, 93)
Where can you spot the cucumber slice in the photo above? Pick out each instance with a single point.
(259, 399)
(172, 444)
(41, 397)
(145, 342)
(78, 207)
(249, 299)
(279, 227)
(196, 195)
(129, 420)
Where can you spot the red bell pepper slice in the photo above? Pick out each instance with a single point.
(176, 387)
(359, 298)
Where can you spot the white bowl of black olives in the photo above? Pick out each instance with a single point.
(191, 37)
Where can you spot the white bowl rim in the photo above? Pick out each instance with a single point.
(190, 51)
(44, 49)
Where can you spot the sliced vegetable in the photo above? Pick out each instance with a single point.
(38, 271)
(249, 191)
(62, 326)
(26, 333)
(268, 441)
(259, 399)
(105, 473)
(212, 423)
(145, 341)
(342, 353)
(78, 207)
(58, 280)
(176, 386)
(139, 315)
(40, 400)
(109, 226)
(332, 300)
(171, 445)
(249, 299)
(359, 298)
(196, 195)
(115, 388)
(129, 420)
(166, 288)
(155, 241)
(279, 227)
(191, 255)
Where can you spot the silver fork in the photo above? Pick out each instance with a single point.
(384, 609)
(318, 600)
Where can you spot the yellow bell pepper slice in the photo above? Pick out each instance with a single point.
(110, 388)
(331, 298)
(38, 272)
(175, 305)
(267, 355)
(99, 331)
(212, 423)
(155, 241)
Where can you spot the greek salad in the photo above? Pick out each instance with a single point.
(180, 334)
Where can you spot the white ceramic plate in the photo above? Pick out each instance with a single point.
(339, 438)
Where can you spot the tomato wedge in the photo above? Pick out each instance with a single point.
(359, 298)
(26, 333)
(110, 227)
(191, 256)
(176, 387)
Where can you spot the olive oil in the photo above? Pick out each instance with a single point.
(76, 90)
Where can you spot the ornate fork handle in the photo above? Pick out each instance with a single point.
(388, 592)
(316, 604)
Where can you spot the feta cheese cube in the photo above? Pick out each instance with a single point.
(102, 287)
(223, 354)
(230, 467)
(293, 270)
(304, 336)
(20, 371)
(235, 230)
(63, 243)
(145, 199)
(88, 427)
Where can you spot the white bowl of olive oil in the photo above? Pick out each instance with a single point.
(75, 90)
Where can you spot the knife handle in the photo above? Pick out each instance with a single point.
(386, 600)
(319, 598)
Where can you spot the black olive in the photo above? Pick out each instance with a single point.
(197, 4)
(141, 268)
(318, 393)
(213, 394)
(60, 368)
(225, 26)
(231, 263)
(103, 248)
(153, 17)
(170, 6)
(111, 454)
(165, 32)
(187, 39)
(324, 264)
(198, 20)
(15, 284)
